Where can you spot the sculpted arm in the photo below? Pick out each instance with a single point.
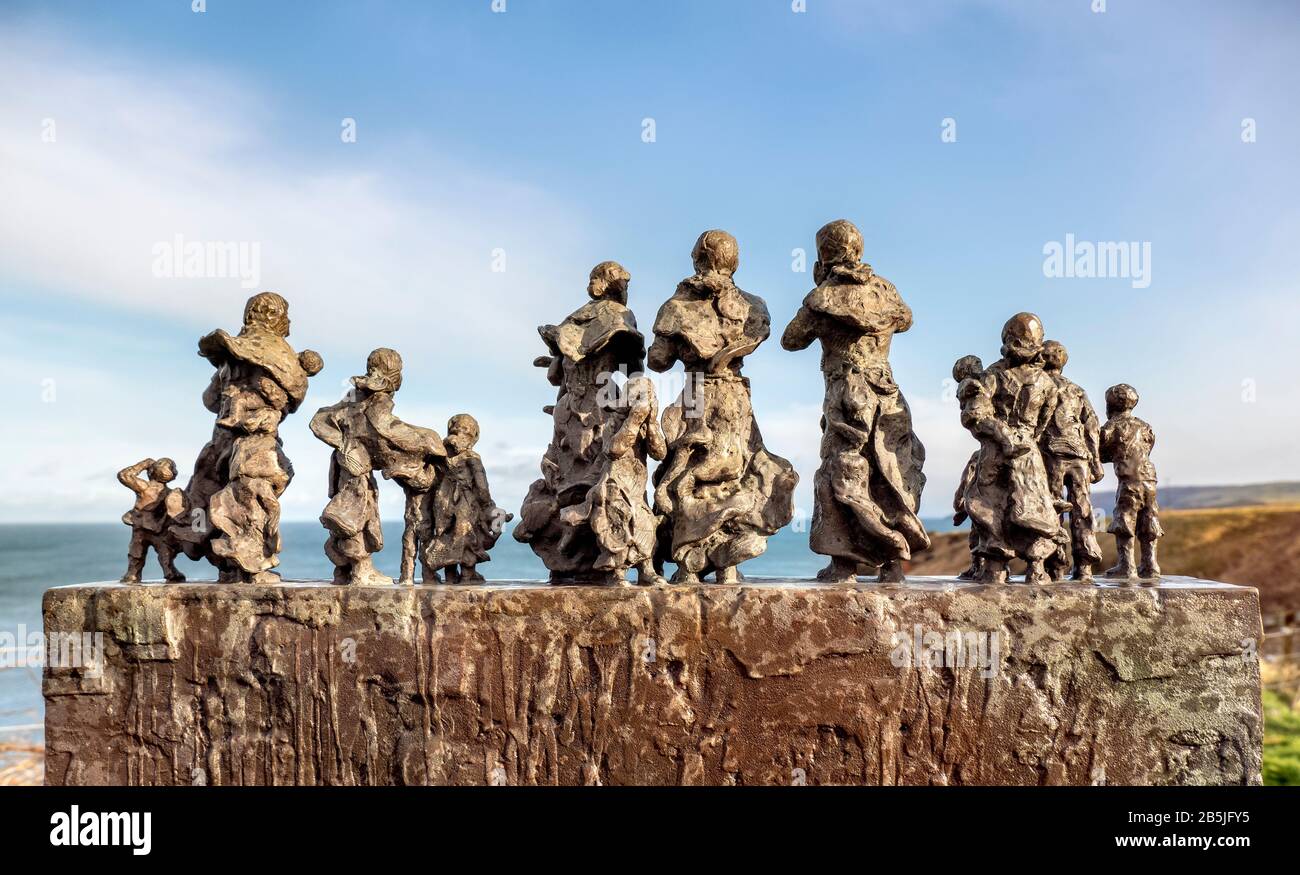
(759, 325)
(1092, 436)
(959, 515)
(889, 315)
(130, 477)
(656, 446)
(325, 427)
(479, 474)
(380, 414)
(979, 417)
(895, 315)
(801, 331)
(624, 440)
(1107, 443)
(1051, 398)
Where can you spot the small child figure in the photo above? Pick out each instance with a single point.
(979, 417)
(466, 522)
(1126, 441)
(157, 506)
(616, 509)
(977, 413)
(985, 470)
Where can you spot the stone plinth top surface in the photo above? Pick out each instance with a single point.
(925, 583)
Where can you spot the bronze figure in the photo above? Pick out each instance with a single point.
(157, 507)
(366, 438)
(868, 487)
(719, 493)
(1009, 500)
(616, 506)
(1126, 442)
(464, 521)
(233, 494)
(587, 349)
(1072, 455)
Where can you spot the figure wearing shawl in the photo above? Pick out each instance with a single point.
(240, 474)
(979, 417)
(719, 493)
(1009, 500)
(1126, 442)
(591, 345)
(868, 488)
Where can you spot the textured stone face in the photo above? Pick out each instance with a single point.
(765, 683)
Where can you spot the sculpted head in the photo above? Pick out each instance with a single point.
(462, 432)
(1022, 338)
(383, 372)
(162, 471)
(609, 279)
(1054, 356)
(311, 362)
(966, 367)
(1120, 399)
(838, 243)
(269, 312)
(716, 252)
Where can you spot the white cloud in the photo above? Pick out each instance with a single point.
(373, 244)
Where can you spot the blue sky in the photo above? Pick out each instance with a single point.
(522, 132)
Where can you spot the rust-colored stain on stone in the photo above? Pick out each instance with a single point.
(771, 682)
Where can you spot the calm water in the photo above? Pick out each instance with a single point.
(34, 558)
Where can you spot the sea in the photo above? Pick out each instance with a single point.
(35, 557)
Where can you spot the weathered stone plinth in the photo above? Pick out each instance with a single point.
(765, 683)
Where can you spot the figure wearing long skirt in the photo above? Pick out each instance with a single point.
(719, 493)
(868, 488)
(592, 344)
(1009, 500)
(234, 494)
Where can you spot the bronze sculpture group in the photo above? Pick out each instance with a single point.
(1026, 490)
(718, 492)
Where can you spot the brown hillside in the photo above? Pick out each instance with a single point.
(1255, 546)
